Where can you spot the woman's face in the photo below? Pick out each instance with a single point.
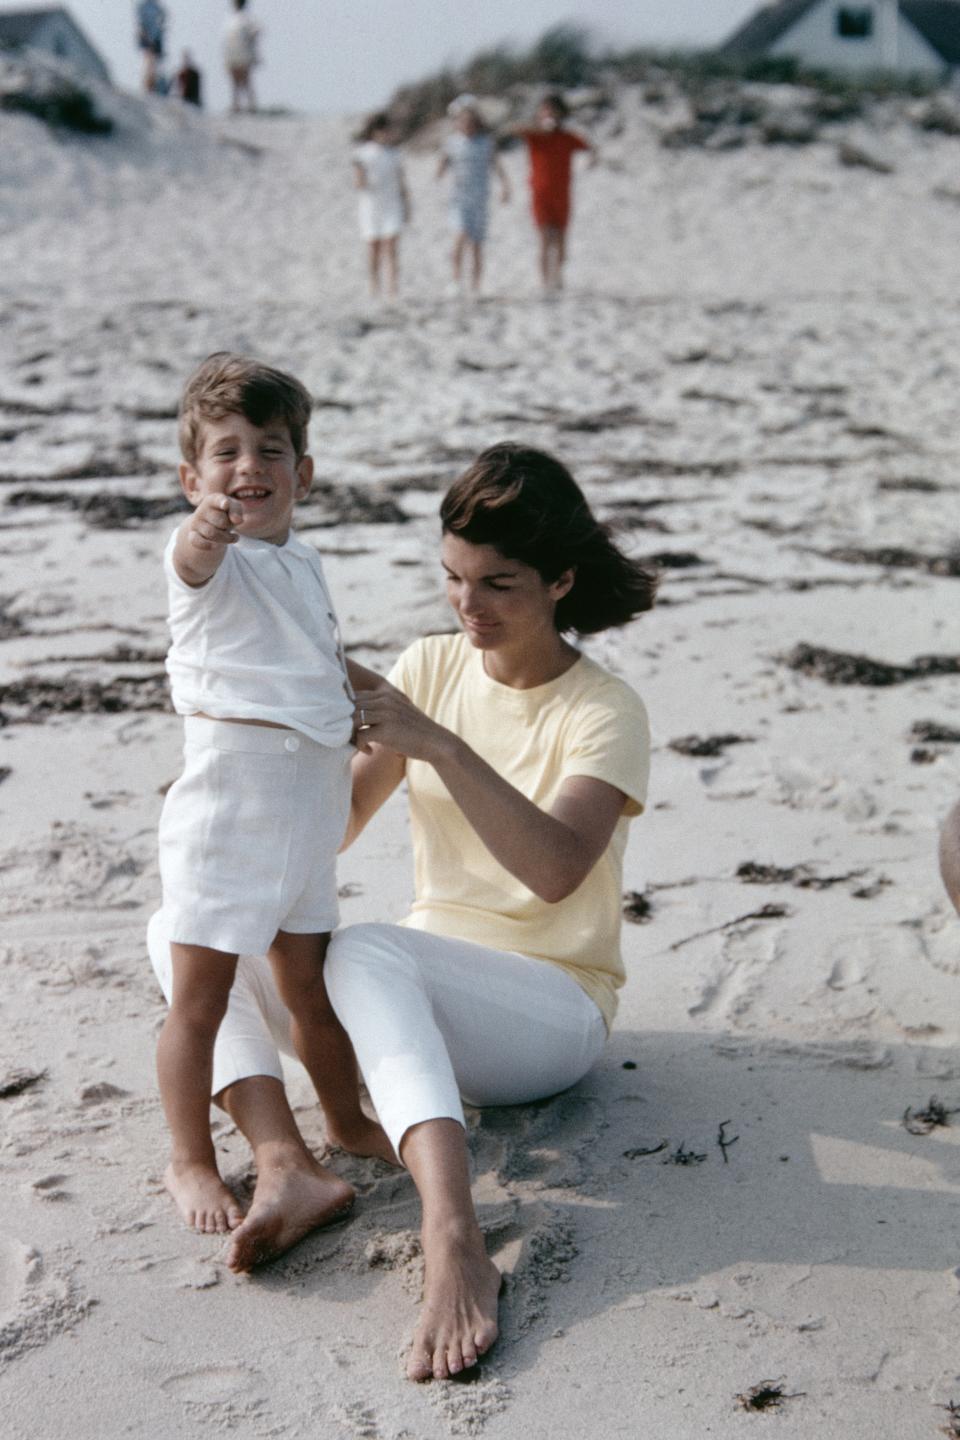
(500, 603)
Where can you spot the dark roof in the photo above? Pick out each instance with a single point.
(765, 27)
(938, 21)
(17, 27)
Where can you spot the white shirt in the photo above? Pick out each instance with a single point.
(240, 35)
(260, 641)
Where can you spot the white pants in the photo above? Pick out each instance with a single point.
(431, 1019)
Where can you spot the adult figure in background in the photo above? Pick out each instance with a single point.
(524, 762)
(471, 154)
(151, 33)
(384, 200)
(551, 147)
(241, 52)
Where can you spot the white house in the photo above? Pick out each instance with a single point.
(51, 29)
(919, 37)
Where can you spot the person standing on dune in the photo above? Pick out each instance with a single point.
(471, 154)
(552, 147)
(384, 201)
(151, 30)
(241, 52)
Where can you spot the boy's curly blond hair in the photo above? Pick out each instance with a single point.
(228, 384)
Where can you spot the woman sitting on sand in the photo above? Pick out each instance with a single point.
(524, 762)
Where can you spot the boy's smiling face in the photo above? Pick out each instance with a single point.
(255, 465)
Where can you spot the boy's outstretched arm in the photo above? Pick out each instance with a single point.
(203, 538)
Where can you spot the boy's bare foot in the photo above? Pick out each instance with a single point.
(293, 1196)
(458, 1322)
(202, 1198)
(365, 1137)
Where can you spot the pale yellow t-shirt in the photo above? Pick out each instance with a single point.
(587, 722)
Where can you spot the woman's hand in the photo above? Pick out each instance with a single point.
(386, 716)
(549, 851)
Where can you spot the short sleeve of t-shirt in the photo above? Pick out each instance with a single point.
(405, 671)
(610, 741)
(605, 734)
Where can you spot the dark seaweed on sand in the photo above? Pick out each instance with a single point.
(34, 699)
(933, 733)
(683, 1156)
(706, 746)
(897, 557)
(768, 1395)
(753, 872)
(10, 625)
(15, 1082)
(952, 1426)
(674, 559)
(105, 510)
(936, 1115)
(838, 668)
(637, 908)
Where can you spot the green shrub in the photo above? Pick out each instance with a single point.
(66, 108)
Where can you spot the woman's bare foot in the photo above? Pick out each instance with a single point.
(364, 1137)
(202, 1198)
(293, 1196)
(458, 1322)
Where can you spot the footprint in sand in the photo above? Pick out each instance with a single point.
(358, 1420)
(34, 1303)
(19, 1268)
(73, 869)
(543, 1144)
(212, 1384)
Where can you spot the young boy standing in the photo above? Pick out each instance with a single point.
(552, 148)
(250, 831)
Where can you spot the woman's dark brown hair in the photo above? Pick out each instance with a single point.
(528, 506)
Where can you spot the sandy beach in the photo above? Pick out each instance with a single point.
(754, 373)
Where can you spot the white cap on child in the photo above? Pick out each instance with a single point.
(462, 102)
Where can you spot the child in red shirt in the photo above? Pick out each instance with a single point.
(552, 148)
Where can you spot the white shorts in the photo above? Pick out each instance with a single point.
(380, 219)
(249, 836)
(430, 1019)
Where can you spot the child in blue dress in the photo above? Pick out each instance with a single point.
(470, 152)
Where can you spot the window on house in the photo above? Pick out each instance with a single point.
(854, 22)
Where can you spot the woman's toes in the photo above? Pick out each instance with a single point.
(420, 1365)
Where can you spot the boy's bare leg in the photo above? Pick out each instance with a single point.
(476, 250)
(950, 855)
(559, 257)
(323, 1045)
(294, 1194)
(458, 1321)
(545, 256)
(373, 266)
(392, 251)
(201, 988)
(458, 248)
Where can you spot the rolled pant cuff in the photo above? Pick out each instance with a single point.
(420, 1098)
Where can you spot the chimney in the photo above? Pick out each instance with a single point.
(888, 36)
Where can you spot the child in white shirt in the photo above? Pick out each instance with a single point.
(249, 832)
